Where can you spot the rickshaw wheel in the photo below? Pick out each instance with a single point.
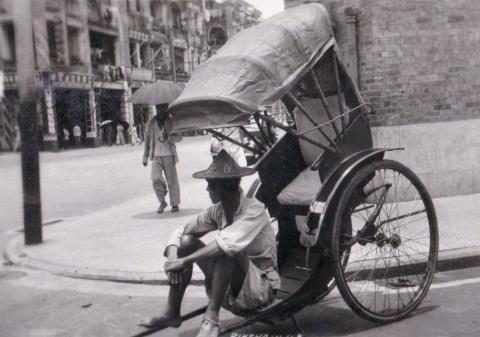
(393, 246)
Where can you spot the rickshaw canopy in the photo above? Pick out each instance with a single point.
(255, 68)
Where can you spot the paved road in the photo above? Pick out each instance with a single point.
(80, 181)
(38, 304)
(35, 303)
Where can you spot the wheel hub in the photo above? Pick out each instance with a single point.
(381, 239)
(395, 241)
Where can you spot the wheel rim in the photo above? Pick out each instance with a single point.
(390, 265)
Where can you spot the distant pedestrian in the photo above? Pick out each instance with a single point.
(217, 144)
(100, 134)
(17, 141)
(140, 132)
(109, 134)
(134, 136)
(77, 134)
(66, 137)
(120, 135)
(160, 148)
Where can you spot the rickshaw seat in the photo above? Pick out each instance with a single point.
(302, 190)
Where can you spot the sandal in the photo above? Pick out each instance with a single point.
(209, 328)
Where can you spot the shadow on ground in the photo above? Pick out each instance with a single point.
(167, 214)
(323, 320)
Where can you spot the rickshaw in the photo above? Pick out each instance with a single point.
(347, 216)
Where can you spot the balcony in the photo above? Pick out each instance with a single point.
(159, 26)
(52, 6)
(73, 8)
(139, 22)
(110, 73)
(142, 74)
(101, 14)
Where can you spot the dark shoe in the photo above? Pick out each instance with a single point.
(158, 323)
(162, 206)
(175, 209)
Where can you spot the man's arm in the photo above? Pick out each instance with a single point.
(146, 147)
(198, 227)
(210, 251)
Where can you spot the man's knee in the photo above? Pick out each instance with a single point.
(189, 244)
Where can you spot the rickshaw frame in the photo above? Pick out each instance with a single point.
(344, 156)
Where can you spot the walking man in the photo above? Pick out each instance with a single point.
(77, 133)
(239, 264)
(66, 137)
(134, 136)
(120, 136)
(17, 142)
(160, 148)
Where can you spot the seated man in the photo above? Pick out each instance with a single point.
(239, 265)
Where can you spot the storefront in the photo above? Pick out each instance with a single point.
(71, 109)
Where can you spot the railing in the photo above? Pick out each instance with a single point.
(166, 75)
(161, 74)
(109, 73)
(52, 5)
(139, 21)
(159, 26)
(141, 74)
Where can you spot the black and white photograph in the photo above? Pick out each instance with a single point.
(239, 168)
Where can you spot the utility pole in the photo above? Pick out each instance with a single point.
(27, 118)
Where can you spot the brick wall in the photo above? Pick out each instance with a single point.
(419, 60)
(419, 65)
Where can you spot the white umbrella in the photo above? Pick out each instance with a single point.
(105, 122)
(160, 92)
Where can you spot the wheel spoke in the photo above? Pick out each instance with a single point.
(387, 269)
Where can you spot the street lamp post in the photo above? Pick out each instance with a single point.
(27, 118)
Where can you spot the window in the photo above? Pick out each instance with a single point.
(143, 54)
(176, 16)
(217, 37)
(74, 46)
(133, 52)
(179, 59)
(103, 48)
(9, 31)
(52, 43)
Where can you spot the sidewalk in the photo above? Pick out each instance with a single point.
(125, 242)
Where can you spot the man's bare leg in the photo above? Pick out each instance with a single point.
(223, 269)
(171, 313)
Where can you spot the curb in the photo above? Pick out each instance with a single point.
(448, 260)
(14, 254)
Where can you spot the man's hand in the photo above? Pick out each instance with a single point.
(174, 269)
(174, 265)
(145, 161)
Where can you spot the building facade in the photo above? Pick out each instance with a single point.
(416, 62)
(225, 19)
(92, 55)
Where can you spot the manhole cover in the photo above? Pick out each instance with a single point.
(11, 275)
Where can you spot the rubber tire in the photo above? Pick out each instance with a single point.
(335, 253)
